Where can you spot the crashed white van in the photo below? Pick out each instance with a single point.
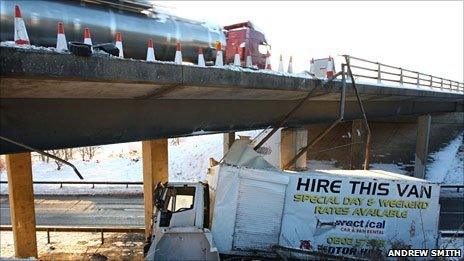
(250, 208)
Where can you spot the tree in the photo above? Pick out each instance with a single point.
(59, 154)
(88, 152)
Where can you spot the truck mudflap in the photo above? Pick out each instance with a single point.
(196, 245)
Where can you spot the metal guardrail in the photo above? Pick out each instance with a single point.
(383, 72)
(139, 183)
(93, 183)
(457, 187)
(452, 233)
(100, 230)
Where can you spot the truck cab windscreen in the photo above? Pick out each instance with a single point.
(176, 200)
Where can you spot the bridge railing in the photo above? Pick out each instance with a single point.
(381, 73)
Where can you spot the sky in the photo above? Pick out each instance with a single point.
(422, 36)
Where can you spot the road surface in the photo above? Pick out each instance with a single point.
(88, 210)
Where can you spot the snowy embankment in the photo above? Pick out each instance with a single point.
(448, 163)
(188, 161)
(447, 167)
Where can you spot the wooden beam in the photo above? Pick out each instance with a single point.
(422, 145)
(292, 141)
(21, 196)
(229, 139)
(155, 169)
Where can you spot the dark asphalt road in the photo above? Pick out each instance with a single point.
(97, 211)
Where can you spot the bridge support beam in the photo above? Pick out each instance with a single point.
(21, 196)
(229, 139)
(292, 140)
(422, 145)
(155, 169)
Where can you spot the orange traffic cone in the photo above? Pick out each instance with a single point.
(281, 64)
(87, 39)
(330, 68)
(20, 35)
(268, 62)
(119, 44)
(237, 57)
(290, 65)
(248, 61)
(61, 44)
(150, 51)
(201, 58)
(178, 57)
(219, 61)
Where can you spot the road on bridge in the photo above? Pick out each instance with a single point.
(127, 211)
(86, 210)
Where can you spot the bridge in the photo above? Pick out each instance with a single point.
(50, 100)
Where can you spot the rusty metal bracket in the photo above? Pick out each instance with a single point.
(327, 130)
(340, 119)
(45, 154)
(367, 153)
(284, 120)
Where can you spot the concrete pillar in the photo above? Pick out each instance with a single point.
(292, 140)
(356, 155)
(155, 169)
(229, 139)
(422, 145)
(21, 196)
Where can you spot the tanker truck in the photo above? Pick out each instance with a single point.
(138, 21)
(250, 210)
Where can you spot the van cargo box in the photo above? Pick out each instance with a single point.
(343, 212)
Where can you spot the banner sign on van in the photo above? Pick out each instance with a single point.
(359, 217)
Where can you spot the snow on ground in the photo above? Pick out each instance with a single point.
(331, 165)
(447, 167)
(452, 243)
(408, 86)
(12, 44)
(322, 165)
(389, 167)
(188, 161)
(448, 163)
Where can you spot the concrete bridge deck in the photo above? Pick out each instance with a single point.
(50, 100)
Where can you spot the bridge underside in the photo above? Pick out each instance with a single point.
(51, 101)
(53, 123)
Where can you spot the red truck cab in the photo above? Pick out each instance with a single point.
(249, 41)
